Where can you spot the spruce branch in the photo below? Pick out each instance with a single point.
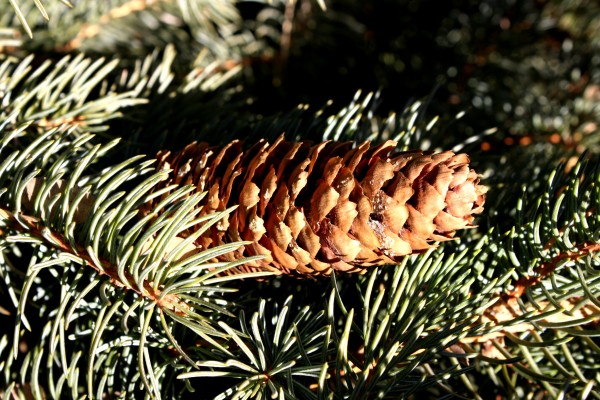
(24, 224)
(55, 94)
(412, 316)
(510, 317)
(554, 301)
(277, 350)
(89, 31)
(196, 14)
(59, 21)
(143, 260)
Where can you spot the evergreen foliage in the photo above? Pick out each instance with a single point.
(100, 300)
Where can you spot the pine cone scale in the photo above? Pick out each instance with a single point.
(322, 202)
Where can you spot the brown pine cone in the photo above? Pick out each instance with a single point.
(310, 209)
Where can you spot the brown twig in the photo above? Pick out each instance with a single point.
(285, 42)
(12, 43)
(49, 123)
(507, 307)
(547, 268)
(505, 311)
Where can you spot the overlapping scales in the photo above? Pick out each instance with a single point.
(312, 208)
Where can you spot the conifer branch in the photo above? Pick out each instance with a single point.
(547, 268)
(24, 224)
(88, 31)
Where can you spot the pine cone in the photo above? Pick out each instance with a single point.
(310, 209)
